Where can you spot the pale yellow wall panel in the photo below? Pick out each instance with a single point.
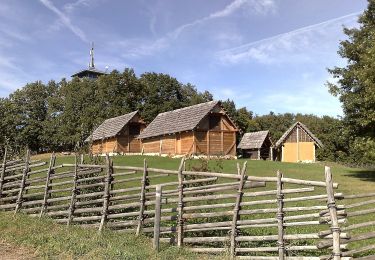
(306, 151)
(290, 152)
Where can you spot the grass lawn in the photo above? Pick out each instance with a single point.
(47, 240)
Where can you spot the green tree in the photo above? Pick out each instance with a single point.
(355, 85)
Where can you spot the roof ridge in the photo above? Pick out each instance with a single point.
(183, 108)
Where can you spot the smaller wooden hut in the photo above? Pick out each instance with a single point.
(257, 145)
(118, 135)
(298, 144)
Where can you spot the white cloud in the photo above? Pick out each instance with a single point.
(311, 96)
(142, 47)
(251, 6)
(70, 7)
(231, 93)
(294, 46)
(65, 20)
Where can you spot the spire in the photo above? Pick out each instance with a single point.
(91, 64)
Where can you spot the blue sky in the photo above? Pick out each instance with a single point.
(267, 55)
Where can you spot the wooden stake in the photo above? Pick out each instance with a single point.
(73, 198)
(81, 161)
(280, 216)
(4, 165)
(142, 199)
(47, 187)
(180, 206)
(157, 217)
(106, 195)
(331, 204)
(237, 207)
(23, 181)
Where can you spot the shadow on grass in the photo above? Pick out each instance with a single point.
(364, 175)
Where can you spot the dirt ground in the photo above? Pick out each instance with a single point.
(12, 252)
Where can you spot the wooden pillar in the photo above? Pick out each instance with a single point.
(180, 206)
(23, 181)
(222, 142)
(128, 141)
(4, 165)
(161, 145)
(106, 196)
(331, 204)
(157, 218)
(208, 144)
(280, 216)
(142, 200)
(258, 153)
(271, 153)
(47, 185)
(73, 199)
(237, 208)
(297, 143)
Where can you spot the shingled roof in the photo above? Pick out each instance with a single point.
(179, 120)
(253, 140)
(286, 134)
(111, 127)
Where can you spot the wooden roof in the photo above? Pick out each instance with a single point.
(85, 72)
(111, 127)
(286, 134)
(179, 120)
(253, 140)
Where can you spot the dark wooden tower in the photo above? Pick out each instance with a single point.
(91, 72)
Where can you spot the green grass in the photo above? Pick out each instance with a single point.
(54, 241)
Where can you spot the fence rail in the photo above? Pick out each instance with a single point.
(245, 216)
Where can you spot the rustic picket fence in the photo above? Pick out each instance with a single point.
(233, 214)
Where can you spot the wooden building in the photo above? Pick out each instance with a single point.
(118, 135)
(257, 146)
(203, 129)
(298, 144)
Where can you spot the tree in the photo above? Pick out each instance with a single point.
(355, 85)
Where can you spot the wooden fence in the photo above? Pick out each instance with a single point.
(234, 214)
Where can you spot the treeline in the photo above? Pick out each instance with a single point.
(58, 116)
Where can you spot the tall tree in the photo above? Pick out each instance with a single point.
(356, 81)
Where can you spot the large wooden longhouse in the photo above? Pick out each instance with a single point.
(118, 135)
(257, 146)
(203, 129)
(298, 144)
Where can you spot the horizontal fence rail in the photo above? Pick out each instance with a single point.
(238, 214)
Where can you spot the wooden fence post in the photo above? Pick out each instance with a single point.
(142, 200)
(331, 204)
(82, 159)
(280, 215)
(180, 206)
(106, 196)
(238, 169)
(4, 165)
(236, 210)
(157, 218)
(73, 200)
(23, 181)
(47, 187)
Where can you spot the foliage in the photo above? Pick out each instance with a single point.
(356, 83)
(61, 115)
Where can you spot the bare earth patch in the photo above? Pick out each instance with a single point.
(12, 252)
